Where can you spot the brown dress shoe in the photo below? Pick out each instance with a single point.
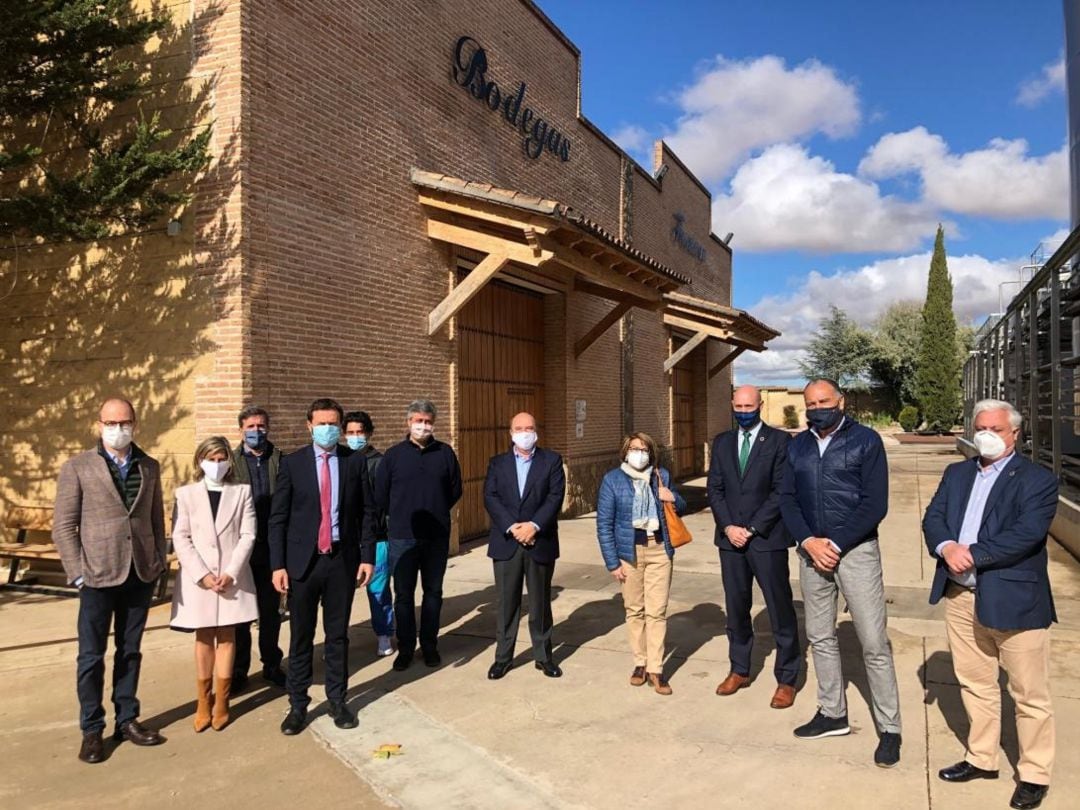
(136, 733)
(637, 677)
(202, 704)
(92, 749)
(732, 684)
(783, 697)
(659, 683)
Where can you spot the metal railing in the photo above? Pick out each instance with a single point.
(1030, 356)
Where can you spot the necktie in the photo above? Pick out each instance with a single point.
(325, 488)
(744, 451)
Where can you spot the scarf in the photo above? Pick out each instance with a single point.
(644, 515)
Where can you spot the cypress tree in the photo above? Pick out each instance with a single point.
(938, 374)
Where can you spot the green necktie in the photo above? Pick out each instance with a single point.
(744, 451)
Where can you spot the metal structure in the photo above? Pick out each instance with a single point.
(1029, 355)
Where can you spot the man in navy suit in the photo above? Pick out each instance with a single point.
(523, 494)
(322, 545)
(986, 527)
(744, 478)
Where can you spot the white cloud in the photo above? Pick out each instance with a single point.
(1000, 181)
(637, 142)
(865, 294)
(735, 107)
(1052, 80)
(786, 199)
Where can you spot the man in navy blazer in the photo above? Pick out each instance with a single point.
(322, 545)
(523, 493)
(986, 527)
(745, 471)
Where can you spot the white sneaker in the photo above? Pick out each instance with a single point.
(385, 647)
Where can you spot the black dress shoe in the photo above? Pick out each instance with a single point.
(92, 749)
(274, 676)
(432, 658)
(549, 668)
(1028, 795)
(403, 661)
(239, 682)
(965, 772)
(342, 717)
(294, 722)
(137, 734)
(498, 669)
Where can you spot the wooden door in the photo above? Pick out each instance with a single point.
(500, 373)
(682, 401)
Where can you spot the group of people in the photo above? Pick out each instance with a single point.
(257, 526)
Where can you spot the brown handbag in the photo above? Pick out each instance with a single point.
(678, 534)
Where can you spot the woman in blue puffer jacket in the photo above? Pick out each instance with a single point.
(634, 541)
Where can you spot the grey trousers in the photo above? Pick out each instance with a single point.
(858, 578)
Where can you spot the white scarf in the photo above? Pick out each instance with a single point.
(645, 514)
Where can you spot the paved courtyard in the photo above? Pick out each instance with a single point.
(588, 740)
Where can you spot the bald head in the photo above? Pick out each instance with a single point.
(116, 409)
(745, 398)
(523, 432)
(523, 421)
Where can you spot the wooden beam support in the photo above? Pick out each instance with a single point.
(582, 284)
(697, 326)
(601, 326)
(487, 212)
(726, 361)
(486, 243)
(684, 350)
(464, 292)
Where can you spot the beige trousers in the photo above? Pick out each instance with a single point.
(977, 651)
(645, 595)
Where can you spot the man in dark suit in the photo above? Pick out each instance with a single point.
(322, 545)
(256, 462)
(523, 494)
(986, 527)
(744, 477)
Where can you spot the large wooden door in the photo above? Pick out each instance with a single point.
(500, 373)
(682, 401)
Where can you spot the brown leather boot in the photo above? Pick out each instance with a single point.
(202, 704)
(222, 686)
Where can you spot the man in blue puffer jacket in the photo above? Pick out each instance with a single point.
(834, 494)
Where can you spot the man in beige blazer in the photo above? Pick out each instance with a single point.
(109, 528)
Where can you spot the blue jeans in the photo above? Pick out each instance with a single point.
(409, 559)
(380, 598)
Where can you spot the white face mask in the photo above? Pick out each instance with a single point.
(525, 439)
(214, 470)
(989, 444)
(638, 459)
(420, 431)
(118, 437)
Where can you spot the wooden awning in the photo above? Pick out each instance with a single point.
(706, 319)
(544, 235)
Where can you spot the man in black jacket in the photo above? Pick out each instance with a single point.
(744, 480)
(834, 494)
(523, 493)
(417, 485)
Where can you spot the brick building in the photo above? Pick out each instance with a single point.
(406, 200)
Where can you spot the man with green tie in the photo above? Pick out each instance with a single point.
(744, 479)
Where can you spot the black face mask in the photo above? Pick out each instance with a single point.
(824, 418)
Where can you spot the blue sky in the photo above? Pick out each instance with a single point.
(835, 135)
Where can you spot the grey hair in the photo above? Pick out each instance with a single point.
(1015, 419)
(424, 406)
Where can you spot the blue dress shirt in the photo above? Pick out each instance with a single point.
(334, 530)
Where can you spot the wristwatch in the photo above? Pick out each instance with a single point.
(753, 532)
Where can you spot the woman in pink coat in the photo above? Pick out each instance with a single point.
(213, 534)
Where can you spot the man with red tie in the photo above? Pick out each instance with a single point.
(322, 545)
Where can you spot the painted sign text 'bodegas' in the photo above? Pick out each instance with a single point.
(470, 72)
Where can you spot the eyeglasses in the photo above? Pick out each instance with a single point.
(127, 424)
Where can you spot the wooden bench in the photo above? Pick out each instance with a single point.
(26, 519)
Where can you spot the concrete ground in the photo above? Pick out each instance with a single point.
(588, 740)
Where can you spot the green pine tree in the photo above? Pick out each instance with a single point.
(939, 367)
(76, 161)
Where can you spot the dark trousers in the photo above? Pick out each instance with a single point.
(426, 559)
(269, 601)
(331, 582)
(739, 569)
(124, 607)
(509, 576)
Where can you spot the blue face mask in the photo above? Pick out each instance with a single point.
(356, 442)
(824, 418)
(747, 419)
(255, 439)
(326, 436)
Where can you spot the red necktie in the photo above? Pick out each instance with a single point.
(325, 535)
